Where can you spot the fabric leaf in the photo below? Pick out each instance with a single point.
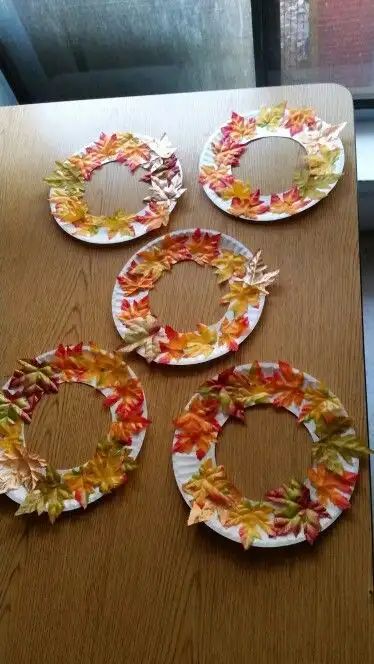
(253, 518)
(48, 496)
(228, 264)
(197, 427)
(331, 487)
(19, 467)
(211, 492)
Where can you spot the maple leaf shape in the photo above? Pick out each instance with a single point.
(297, 118)
(271, 116)
(241, 296)
(236, 189)
(287, 386)
(203, 247)
(70, 209)
(239, 128)
(201, 342)
(321, 163)
(34, 376)
(314, 188)
(230, 330)
(175, 346)
(288, 203)
(174, 248)
(330, 487)
(118, 223)
(85, 163)
(154, 215)
(104, 368)
(134, 153)
(330, 450)
(197, 427)
(129, 396)
(227, 152)
(124, 430)
(133, 283)
(67, 361)
(154, 262)
(249, 207)
(296, 512)
(66, 177)
(320, 403)
(48, 496)
(211, 492)
(16, 406)
(134, 309)
(107, 146)
(19, 467)
(253, 518)
(80, 485)
(216, 177)
(216, 388)
(105, 471)
(228, 264)
(10, 434)
(248, 387)
(138, 332)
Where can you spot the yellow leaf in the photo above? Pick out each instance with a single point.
(253, 518)
(138, 331)
(236, 189)
(229, 264)
(241, 296)
(201, 342)
(19, 467)
(321, 163)
(271, 116)
(48, 496)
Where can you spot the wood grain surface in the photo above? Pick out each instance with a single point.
(128, 581)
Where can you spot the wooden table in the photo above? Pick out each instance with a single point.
(127, 581)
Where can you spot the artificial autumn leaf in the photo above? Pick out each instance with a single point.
(128, 397)
(138, 331)
(162, 168)
(174, 248)
(229, 265)
(67, 177)
(16, 406)
(134, 309)
(105, 471)
(271, 116)
(330, 487)
(167, 192)
(107, 146)
(124, 430)
(314, 188)
(154, 262)
(227, 152)
(100, 367)
(201, 342)
(321, 163)
(296, 512)
(287, 386)
(134, 153)
(217, 389)
(256, 273)
(230, 330)
(248, 386)
(297, 118)
(331, 450)
(133, 283)
(249, 207)
(334, 425)
(10, 434)
(48, 496)
(239, 128)
(320, 403)
(155, 215)
(80, 485)
(174, 347)
(19, 467)
(216, 177)
(253, 518)
(34, 375)
(70, 209)
(85, 163)
(288, 203)
(241, 296)
(211, 492)
(88, 226)
(118, 223)
(236, 189)
(197, 427)
(203, 247)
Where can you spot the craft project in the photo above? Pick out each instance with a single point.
(28, 479)
(324, 161)
(247, 279)
(163, 173)
(294, 512)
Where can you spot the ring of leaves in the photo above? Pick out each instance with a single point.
(294, 512)
(30, 480)
(163, 174)
(323, 165)
(247, 278)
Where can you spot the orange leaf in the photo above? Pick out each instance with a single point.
(106, 146)
(174, 247)
(298, 117)
(330, 487)
(249, 207)
(232, 330)
(239, 128)
(211, 491)
(203, 247)
(124, 430)
(197, 427)
(289, 202)
(175, 347)
(129, 396)
(287, 385)
(216, 177)
(134, 309)
(155, 215)
(133, 283)
(227, 152)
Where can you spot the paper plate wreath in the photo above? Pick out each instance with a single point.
(294, 512)
(324, 161)
(29, 480)
(163, 173)
(247, 279)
